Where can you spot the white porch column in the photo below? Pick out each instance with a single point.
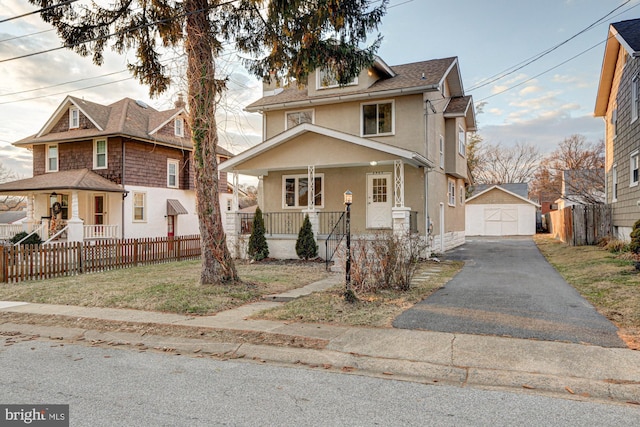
(261, 191)
(401, 214)
(29, 222)
(75, 232)
(311, 201)
(235, 203)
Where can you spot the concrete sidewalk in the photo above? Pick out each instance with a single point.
(571, 370)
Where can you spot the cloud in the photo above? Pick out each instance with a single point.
(545, 131)
(529, 90)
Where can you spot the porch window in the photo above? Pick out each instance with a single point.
(378, 118)
(296, 189)
(52, 158)
(64, 202)
(462, 141)
(100, 154)
(295, 118)
(635, 97)
(178, 127)
(172, 173)
(452, 192)
(74, 118)
(139, 207)
(633, 168)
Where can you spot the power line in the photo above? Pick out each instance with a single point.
(540, 55)
(38, 11)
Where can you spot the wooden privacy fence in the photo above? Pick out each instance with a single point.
(39, 262)
(581, 224)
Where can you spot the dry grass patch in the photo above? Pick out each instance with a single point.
(171, 287)
(609, 281)
(373, 309)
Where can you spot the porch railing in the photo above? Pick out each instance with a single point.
(7, 231)
(92, 232)
(287, 223)
(334, 239)
(40, 230)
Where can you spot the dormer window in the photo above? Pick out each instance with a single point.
(74, 118)
(178, 126)
(52, 158)
(326, 79)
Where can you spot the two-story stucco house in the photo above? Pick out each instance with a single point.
(618, 103)
(111, 171)
(395, 137)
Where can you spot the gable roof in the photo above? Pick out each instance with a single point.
(462, 106)
(519, 188)
(627, 35)
(410, 157)
(410, 78)
(499, 187)
(77, 179)
(125, 117)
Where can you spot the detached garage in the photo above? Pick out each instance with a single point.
(500, 210)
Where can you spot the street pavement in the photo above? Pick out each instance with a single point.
(507, 288)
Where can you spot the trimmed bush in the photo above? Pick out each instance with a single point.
(258, 248)
(34, 239)
(635, 238)
(306, 247)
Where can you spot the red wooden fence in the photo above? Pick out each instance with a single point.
(38, 262)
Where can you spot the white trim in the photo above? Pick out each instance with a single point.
(287, 113)
(462, 142)
(451, 192)
(46, 157)
(178, 130)
(410, 157)
(377, 103)
(95, 153)
(74, 117)
(635, 154)
(297, 177)
(144, 206)
(59, 113)
(353, 82)
(163, 124)
(176, 163)
(635, 97)
(503, 190)
(614, 183)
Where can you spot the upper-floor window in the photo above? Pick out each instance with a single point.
(178, 126)
(452, 192)
(326, 79)
(614, 122)
(74, 118)
(100, 154)
(614, 183)
(139, 208)
(441, 152)
(462, 141)
(172, 173)
(378, 118)
(295, 118)
(295, 191)
(52, 158)
(634, 165)
(635, 97)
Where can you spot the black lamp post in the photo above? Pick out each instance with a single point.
(349, 296)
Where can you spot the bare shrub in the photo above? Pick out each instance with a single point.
(388, 261)
(616, 246)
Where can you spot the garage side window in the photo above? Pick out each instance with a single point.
(452, 192)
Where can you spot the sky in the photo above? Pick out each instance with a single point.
(538, 103)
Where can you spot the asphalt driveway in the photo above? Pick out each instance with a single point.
(507, 288)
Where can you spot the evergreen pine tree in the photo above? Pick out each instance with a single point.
(258, 247)
(635, 238)
(306, 247)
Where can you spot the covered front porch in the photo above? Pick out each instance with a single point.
(71, 206)
(306, 171)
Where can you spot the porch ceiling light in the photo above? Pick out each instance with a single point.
(53, 197)
(373, 163)
(348, 197)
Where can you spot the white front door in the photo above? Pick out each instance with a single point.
(379, 198)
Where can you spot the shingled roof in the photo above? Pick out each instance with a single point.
(77, 179)
(418, 75)
(629, 31)
(126, 117)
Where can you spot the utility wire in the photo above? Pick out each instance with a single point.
(542, 54)
(38, 11)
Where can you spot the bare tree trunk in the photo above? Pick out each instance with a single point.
(217, 263)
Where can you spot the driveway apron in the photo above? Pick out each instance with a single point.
(507, 288)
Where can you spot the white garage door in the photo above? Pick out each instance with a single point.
(501, 221)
